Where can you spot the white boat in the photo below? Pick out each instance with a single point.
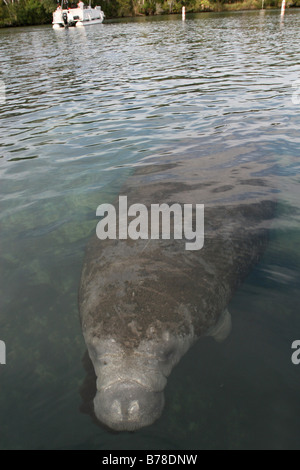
(78, 15)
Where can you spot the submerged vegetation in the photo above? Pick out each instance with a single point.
(34, 12)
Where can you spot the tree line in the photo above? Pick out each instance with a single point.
(36, 12)
(26, 12)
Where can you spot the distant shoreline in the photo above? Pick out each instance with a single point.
(36, 13)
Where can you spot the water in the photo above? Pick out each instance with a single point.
(83, 108)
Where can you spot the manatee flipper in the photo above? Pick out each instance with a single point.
(223, 328)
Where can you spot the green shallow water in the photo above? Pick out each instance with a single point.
(82, 109)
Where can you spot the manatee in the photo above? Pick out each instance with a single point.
(143, 303)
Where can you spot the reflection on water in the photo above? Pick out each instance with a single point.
(83, 110)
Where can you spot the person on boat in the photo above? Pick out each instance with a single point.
(80, 5)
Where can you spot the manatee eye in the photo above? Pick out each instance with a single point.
(169, 353)
(96, 350)
(92, 351)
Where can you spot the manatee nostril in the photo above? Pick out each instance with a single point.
(133, 410)
(116, 408)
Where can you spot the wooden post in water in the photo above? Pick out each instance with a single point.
(183, 13)
(283, 5)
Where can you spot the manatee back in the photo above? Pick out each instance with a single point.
(134, 290)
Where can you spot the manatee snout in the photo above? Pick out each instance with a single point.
(131, 382)
(128, 406)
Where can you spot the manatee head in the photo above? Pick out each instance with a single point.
(131, 381)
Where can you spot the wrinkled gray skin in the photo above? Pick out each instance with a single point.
(144, 303)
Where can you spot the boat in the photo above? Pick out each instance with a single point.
(78, 15)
